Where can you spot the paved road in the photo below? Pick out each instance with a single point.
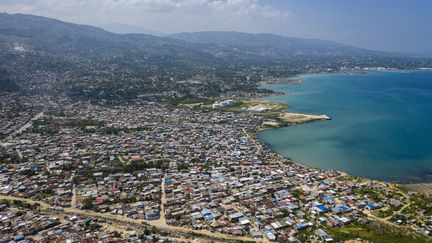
(24, 127)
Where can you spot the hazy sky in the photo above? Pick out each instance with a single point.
(392, 25)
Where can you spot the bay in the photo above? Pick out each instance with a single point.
(381, 125)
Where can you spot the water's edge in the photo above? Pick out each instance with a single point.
(277, 149)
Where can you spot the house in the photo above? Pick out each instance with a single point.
(270, 235)
(235, 216)
(373, 206)
(321, 209)
(341, 209)
(323, 235)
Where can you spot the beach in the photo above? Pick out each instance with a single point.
(424, 188)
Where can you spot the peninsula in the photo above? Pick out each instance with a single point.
(109, 137)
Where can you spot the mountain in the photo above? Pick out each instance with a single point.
(49, 56)
(28, 33)
(276, 44)
(120, 28)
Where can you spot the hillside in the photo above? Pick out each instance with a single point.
(277, 46)
(48, 56)
(120, 28)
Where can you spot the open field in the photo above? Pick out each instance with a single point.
(190, 105)
(291, 117)
(374, 232)
(424, 188)
(258, 106)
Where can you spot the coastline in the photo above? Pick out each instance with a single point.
(424, 188)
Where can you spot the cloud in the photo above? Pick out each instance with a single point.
(161, 15)
(246, 8)
(237, 7)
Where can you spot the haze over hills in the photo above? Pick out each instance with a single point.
(40, 34)
(120, 28)
(45, 55)
(278, 45)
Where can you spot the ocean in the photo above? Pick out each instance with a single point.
(381, 125)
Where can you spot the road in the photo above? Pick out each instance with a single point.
(74, 195)
(258, 146)
(24, 127)
(237, 208)
(387, 220)
(160, 224)
(162, 220)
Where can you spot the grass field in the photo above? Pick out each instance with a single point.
(273, 106)
(374, 232)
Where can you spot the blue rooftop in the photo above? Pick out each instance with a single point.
(329, 199)
(208, 217)
(300, 226)
(205, 212)
(322, 208)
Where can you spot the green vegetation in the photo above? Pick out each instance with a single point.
(370, 193)
(383, 213)
(124, 200)
(20, 204)
(150, 230)
(189, 100)
(374, 232)
(182, 166)
(93, 226)
(51, 126)
(45, 194)
(297, 193)
(93, 64)
(117, 234)
(423, 203)
(88, 203)
(235, 108)
(6, 84)
(84, 123)
(274, 107)
(28, 172)
(10, 159)
(142, 165)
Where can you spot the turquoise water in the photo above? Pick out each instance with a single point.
(381, 125)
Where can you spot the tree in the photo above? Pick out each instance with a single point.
(88, 203)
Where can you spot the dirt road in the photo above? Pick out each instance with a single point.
(160, 224)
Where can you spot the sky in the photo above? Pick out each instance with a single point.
(390, 25)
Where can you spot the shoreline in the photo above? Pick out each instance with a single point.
(424, 188)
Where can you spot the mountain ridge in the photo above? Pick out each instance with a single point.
(44, 55)
(295, 45)
(120, 28)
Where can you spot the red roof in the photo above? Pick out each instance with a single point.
(100, 199)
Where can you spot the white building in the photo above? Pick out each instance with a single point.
(221, 104)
